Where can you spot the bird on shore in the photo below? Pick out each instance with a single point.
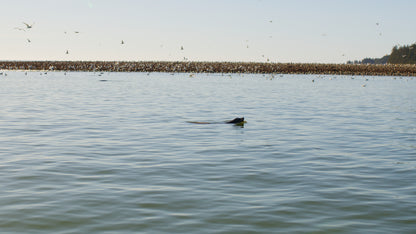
(181, 47)
(122, 42)
(28, 40)
(67, 52)
(29, 26)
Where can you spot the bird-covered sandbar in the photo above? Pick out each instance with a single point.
(214, 67)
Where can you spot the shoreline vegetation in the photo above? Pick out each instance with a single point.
(399, 55)
(214, 67)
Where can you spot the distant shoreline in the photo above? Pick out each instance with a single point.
(214, 67)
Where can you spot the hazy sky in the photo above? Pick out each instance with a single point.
(323, 31)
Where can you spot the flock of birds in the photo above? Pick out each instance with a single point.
(30, 26)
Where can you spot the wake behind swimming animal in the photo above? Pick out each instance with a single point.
(236, 121)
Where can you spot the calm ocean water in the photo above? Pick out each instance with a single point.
(113, 152)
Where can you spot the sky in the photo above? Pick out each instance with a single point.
(298, 31)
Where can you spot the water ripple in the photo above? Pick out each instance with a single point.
(81, 156)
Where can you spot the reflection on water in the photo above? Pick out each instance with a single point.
(81, 155)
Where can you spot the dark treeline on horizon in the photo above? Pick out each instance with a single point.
(399, 55)
(403, 54)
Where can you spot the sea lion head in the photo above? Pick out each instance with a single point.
(236, 120)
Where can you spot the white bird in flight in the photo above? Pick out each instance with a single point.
(28, 26)
(21, 29)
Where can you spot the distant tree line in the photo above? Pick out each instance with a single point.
(382, 60)
(399, 55)
(403, 54)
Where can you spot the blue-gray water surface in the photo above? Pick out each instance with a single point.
(115, 153)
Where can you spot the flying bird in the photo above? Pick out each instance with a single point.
(28, 26)
(28, 40)
(20, 29)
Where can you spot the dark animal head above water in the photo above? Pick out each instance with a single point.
(236, 121)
